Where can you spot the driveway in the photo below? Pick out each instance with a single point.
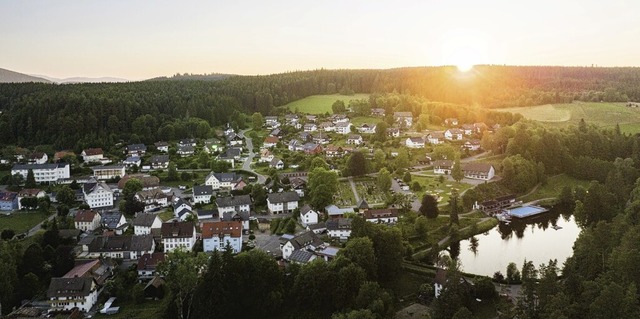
(38, 227)
(247, 162)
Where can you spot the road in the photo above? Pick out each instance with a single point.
(38, 227)
(247, 163)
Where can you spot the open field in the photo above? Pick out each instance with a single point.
(431, 185)
(20, 222)
(554, 186)
(601, 114)
(148, 309)
(320, 104)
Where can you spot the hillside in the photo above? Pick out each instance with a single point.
(7, 76)
(79, 79)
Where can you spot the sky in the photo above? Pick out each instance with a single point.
(137, 40)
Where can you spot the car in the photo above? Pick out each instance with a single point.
(182, 187)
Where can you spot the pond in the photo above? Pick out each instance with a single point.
(535, 239)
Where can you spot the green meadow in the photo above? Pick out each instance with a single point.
(320, 104)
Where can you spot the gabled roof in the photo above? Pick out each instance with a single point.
(306, 238)
(232, 201)
(416, 140)
(93, 151)
(225, 177)
(283, 197)
(145, 220)
(305, 209)
(161, 144)
(231, 228)
(29, 192)
(354, 137)
(85, 216)
(185, 149)
(136, 147)
(271, 140)
(301, 256)
(443, 163)
(235, 216)
(363, 204)
(202, 190)
(160, 159)
(177, 229)
(339, 224)
(381, 213)
(150, 261)
(477, 167)
(111, 219)
(70, 287)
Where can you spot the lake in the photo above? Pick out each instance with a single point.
(532, 239)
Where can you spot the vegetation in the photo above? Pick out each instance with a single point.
(321, 104)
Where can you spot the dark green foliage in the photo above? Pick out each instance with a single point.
(356, 164)
(429, 207)
(66, 196)
(31, 180)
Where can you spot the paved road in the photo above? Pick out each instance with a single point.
(353, 189)
(247, 163)
(38, 227)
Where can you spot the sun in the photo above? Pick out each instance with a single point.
(464, 49)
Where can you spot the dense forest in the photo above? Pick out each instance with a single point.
(81, 115)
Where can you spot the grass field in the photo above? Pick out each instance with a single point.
(431, 185)
(148, 309)
(320, 104)
(554, 186)
(21, 222)
(344, 197)
(601, 114)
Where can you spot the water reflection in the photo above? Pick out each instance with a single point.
(548, 236)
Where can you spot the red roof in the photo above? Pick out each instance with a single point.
(381, 213)
(271, 139)
(85, 216)
(81, 270)
(29, 192)
(211, 229)
(93, 151)
(150, 261)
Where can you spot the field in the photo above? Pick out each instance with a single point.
(21, 222)
(320, 104)
(431, 185)
(554, 186)
(601, 114)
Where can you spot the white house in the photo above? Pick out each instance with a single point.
(29, 193)
(339, 228)
(265, 156)
(132, 161)
(181, 209)
(147, 264)
(393, 132)
(152, 198)
(144, 223)
(308, 216)
(222, 180)
(354, 139)
(327, 126)
(162, 147)
(442, 167)
(97, 194)
(271, 141)
(472, 145)
(108, 172)
(310, 127)
(231, 204)
(339, 118)
(343, 128)
(453, 134)
(219, 235)
(43, 172)
(284, 202)
(403, 117)
(414, 142)
(38, 158)
(276, 163)
(92, 155)
(185, 150)
(113, 221)
(467, 129)
(202, 194)
(307, 240)
(435, 138)
(367, 128)
(178, 234)
(271, 121)
(482, 171)
(87, 220)
(67, 293)
(136, 149)
(160, 161)
(381, 216)
(123, 247)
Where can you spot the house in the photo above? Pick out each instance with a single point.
(114, 221)
(148, 181)
(435, 138)
(471, 145)
(217, 181)
(162, 147)
(62, 154)
(43, 173)
(38, 158)
(285, 202)
(298, 185)
(381, 216)
(98, 269)
(311, 118)
(339, 118)
(312, 148)
(178, 235)
(187, 142)
(334, 211)
(305, 136)
(185, 150)
(204, 214)
(294, 145)
(87, 220)
(343, 128)
(318, 228)
(354, 139)
(233, 152)
(451, 121)
(276, 132)
(302, 257)
(29, 193)
(108, 172)
(181, 209)
(132, 161)
(308, 216)
(307, 240)
(270, 141)
(202, 194)
(227, 157)
(144, 223)
(367, 128)
(152, 199)
(228, 130)
(240, 203)
(496, 205)
(377, 112)
(242, 216)
(122, 247)
(339, 228)
(293, 120)
(453, 134)
(160, 161)
(148, 263)
(271, 121)
(327, 126)
(310, 127)
(442, 167)
(212, 145)
(480, 127)
(414, 142)
(467, 129)
(65, 294)
(234, 139)
(321, 138)
(136, 149)
(219, 235)
(97, 194)
(265, 156)
(336, 151)
(405, 118)
(393, 132)
(92, 155)
(276, 163)
(482, 171)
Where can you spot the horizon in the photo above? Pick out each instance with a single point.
(95, 39)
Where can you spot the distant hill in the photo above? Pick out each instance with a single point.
(79, 79)
(7, 76)
(199, 77)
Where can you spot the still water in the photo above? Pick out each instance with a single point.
(532, 239)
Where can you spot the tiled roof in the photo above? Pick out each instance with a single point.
(211, 229)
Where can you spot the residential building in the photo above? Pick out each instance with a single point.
(87, 220)
(219, 235)
(92, 155)
(307, 241)
(265, 156)
(162, 146)
(242, 216)
(284, 202)
(29, 193)
(148, 181)
(339, 118)
(334, 211)
(339, 228)
(65, 294)
(98, 269)
(181, 209)
(435, 138)
(327, 127)
(276, 163)
(152, 199)
(240, 203)
(312, 148)
(320, 138)
(234, 139)
(414, 142)
(354, 139)
(367, 128)
(187, 142)
(318, 228)
(160, 161)
(442, 167)
(467, 129)
(377, 112)
(136, 149)
(453, 134)
(147, 265)
(132, 161)
(381, 216)
(178, 235)
(406, 118)
(129, 247)
(108, 172)
(43, 173)
(202, 194)
(8, 201)
(308, 216)
(145, 223)
(393, 132)
(471, 145)
(482, 171)
(114, 221)
(38, 158)
(343, 127)
(185, 150)
(310, 127)
(271, 141)
(271, 121)
(97, 194)
(222, 180)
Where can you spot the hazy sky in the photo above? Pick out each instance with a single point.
(142, 39)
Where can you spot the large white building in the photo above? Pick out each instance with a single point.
(67, 293)
(97, 194)
(217, 235)
(230, 204)
(178, 235)
(152, 198)
(87, 220)
(284, 202)
(308, 216)
(109, 172)
(43, 172)
(144, 223)
(222, 180)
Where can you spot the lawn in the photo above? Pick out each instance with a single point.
(357, 121)
(148, 309)
(20, 222)
(554, 186)
(601, 114)
(431, 185)
(166, 215)
(320, 104)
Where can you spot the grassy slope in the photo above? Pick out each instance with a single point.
(601, 114)
(320, 104)
(21, 222)
(554, 186)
